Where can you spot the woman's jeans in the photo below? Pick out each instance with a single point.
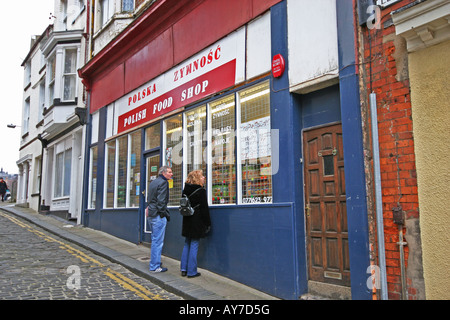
(158, 232)
(189, 256)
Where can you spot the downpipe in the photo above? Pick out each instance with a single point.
(378, 197)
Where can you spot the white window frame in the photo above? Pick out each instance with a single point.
(64, 152)
(116, 172)
(70, 74)
(106, 11)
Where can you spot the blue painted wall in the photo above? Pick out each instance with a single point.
(353, 152)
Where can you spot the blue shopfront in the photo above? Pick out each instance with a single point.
(220, 109)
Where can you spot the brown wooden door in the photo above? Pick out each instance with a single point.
(325, 209)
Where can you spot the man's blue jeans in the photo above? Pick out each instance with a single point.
(189, 256)
(158, 232)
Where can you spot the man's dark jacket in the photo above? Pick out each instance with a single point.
(158, 198)
(3, 187)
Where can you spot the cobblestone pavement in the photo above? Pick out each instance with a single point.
(35, 264)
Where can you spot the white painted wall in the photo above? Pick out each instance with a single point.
(312, 42)
(259, 46)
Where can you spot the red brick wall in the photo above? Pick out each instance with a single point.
(385, 58)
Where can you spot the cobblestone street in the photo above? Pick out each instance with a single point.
(35, 264)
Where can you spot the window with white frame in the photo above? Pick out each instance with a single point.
(110, 174)
(63, 168)
(127, 5)
(134, 169)
(107, 10)
(41, 100)
(37, 174)
(51, 74)
(69, 74)
(26, 116)
(93, 167)
(122, 171)
(173, 155)
(27, 75)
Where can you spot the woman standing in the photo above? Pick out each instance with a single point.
(195, 226)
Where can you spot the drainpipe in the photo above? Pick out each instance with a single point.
(379, 202)
(44, 144)
(399, 220)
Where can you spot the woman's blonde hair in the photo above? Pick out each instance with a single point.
(195, 177)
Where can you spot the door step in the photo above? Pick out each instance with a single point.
(326, 291)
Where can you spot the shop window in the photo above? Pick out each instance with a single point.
(110, 174)
(255, 144)
(153, 137)
(135, 169)
(93, 178)
(122, 172)
(223, 164)
(196, 139)
(173, 156)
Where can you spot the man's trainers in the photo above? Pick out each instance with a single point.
(159, 269)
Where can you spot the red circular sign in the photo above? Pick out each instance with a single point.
(278, 65)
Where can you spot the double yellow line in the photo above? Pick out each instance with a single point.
(122, 280)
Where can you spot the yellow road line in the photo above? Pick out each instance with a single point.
(122, 280)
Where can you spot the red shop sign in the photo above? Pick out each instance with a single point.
(198, 88)
(278, 65)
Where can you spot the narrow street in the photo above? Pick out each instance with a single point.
(36, 265)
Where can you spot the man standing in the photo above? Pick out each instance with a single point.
(158, 198)
(3, 188)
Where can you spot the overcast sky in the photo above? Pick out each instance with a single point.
(20, 20)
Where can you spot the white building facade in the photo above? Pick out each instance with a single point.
(51, 155)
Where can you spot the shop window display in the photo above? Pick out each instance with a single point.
(223, 166)
(173, 156)
(93, 178)
(134, 177)
(196, 139)
(255, 144)
(110, 174)
(122, 172)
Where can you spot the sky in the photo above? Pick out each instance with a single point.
(19, 22)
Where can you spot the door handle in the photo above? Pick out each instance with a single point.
(307, 210)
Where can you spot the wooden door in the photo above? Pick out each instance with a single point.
(325, 209)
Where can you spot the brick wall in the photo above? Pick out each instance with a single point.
(385, 72)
